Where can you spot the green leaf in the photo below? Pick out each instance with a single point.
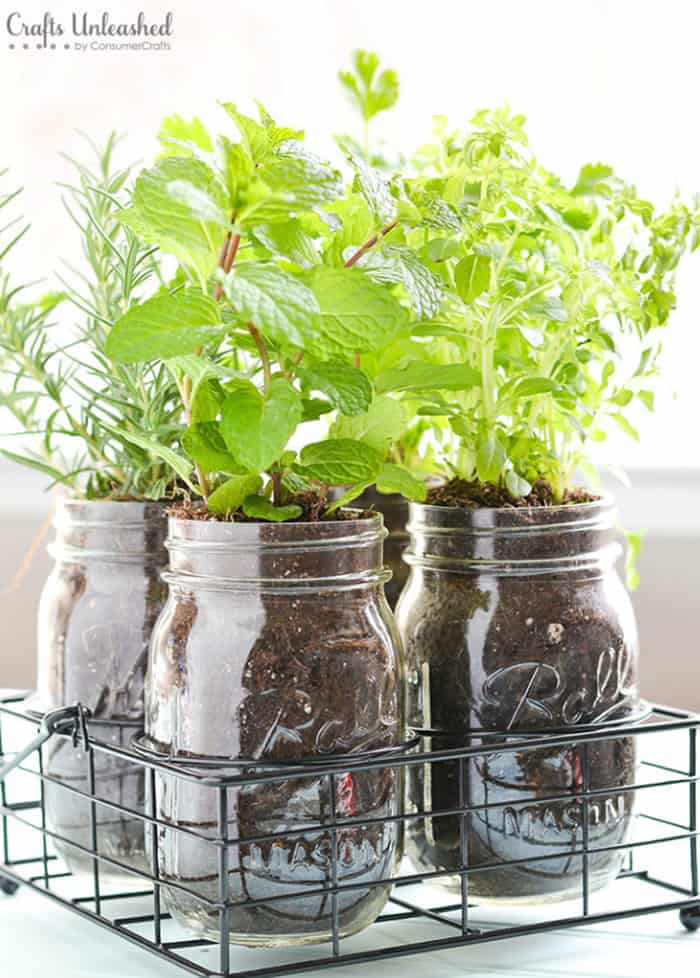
(395, 479)
(167, 325)
(375, 190)
(257, 429)
(490, 458)
(379, 427)
(259, 507)
(205, 445)
(34, 463)
(314, 408)
(551, 308)
(349, 389)
(229, 496)
(394, 265)
(372, 91)
(592, 179)
(348, 497)
(178, 463)
(278, 303)
(472, 276)
(531, 387)
(357, 315)
(634, 547)
(180, 206)
(288, 241)
(516, 485)
(419, 376)
(622, 423)
(339, 462)
(301, 180)
(181, 138)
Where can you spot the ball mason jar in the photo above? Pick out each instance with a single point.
(96, 613)
(276, 644)
(515, 620)
(394, 510)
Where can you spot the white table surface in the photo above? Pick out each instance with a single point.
(38, 937)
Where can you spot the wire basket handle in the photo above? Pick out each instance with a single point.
(68, 721)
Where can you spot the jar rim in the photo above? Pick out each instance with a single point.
(262, 534)
(516, 517)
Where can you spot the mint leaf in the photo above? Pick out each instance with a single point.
(340, 462)
(375, 190)
(164, 326)
(257, 429)
(259, 507)
(348, 388)
(180, 206)
(287, 240)
(395, 479)
(420, 376)
(229, 496)
(378, 427)
(278, 303)
(357, 315)
(204, 444)
(347, 497)
(392, 264)
(181, 138)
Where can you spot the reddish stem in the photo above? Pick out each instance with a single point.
(370, 243)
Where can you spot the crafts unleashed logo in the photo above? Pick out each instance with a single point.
(89, 32)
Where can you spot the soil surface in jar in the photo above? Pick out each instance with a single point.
(519, 654)
(318, 680)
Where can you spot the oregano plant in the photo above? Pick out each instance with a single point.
(554, 298)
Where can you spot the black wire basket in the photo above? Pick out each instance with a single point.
(665, 822)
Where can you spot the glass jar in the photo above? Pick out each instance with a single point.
(96, 613)
(276, 644)
(515, 620)
(394, 510)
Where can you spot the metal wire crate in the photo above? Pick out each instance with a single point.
(666, 817)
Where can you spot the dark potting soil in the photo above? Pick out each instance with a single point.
(521, 653)
(475, 494)
(313, 505)
(300, 691)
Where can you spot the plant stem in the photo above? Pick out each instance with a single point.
(276, 477)
(264, 355)
(370, 243)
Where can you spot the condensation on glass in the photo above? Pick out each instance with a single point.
(276, 645)
(516, 620)
(96, 614)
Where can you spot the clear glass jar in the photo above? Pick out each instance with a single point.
(516, 620)
(276, 644)
(96, 613)
(394, 510)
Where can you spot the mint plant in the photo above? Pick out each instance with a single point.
(554, 300)
(72, 407)
(269, 319)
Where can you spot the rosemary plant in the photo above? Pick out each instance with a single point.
(72, 405)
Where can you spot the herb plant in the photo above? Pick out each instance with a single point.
(554, 299)
(269, 320)
(78, 410)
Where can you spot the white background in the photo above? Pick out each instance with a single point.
(611, 81)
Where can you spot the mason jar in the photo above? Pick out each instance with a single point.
(277, 645)
(515, 621)
(96, 613)
(394, 510)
